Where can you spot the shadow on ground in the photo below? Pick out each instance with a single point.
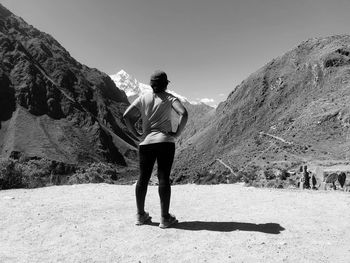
(269, 228)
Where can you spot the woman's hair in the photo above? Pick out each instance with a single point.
(159, 86)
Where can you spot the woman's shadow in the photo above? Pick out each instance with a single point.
(269, 228)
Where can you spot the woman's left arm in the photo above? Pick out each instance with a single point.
(182, 112)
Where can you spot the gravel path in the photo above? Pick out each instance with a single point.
(218, 223)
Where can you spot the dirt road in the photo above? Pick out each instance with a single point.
(218, 223)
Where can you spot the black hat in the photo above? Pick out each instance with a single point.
(159, 76)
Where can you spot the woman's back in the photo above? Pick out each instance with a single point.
(155, 109)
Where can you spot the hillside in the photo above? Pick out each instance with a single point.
(198, 116)
(53, 107)
(294, 110)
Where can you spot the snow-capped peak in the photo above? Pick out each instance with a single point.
(132, 87)
(128, 83)
(122, 72)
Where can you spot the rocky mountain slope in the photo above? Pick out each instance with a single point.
(295, 109)
(53, 107)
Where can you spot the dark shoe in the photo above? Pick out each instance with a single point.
(168, 222)
(142, 219)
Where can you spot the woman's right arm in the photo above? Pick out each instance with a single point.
(131, 115)
(182, 112)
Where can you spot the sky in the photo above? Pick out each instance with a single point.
(207, 47)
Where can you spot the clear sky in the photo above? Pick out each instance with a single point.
(207, 47)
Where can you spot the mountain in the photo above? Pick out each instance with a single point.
(129, 84)
(133, 88)
(294, 110)
(53, 107)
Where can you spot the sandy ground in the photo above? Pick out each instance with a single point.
(218, 223)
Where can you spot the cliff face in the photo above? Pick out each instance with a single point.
(294, 109)
(51, 105)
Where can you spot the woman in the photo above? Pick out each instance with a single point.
(157, 143)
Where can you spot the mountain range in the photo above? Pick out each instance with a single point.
(294, 110)
(133, 88)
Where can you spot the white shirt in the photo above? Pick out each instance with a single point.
(155, 111)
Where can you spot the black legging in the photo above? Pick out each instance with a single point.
(164, 154)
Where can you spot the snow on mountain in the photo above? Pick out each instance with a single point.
(129, 84)
(133, 88)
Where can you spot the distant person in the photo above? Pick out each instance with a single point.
(157, 143)
(314, 182)
(342, 179)
(306, 178)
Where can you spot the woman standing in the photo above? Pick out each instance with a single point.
(157, 143)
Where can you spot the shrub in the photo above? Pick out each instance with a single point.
(336, 60)
(35, 173)
(32, 173)
(283, 175)
(10, 174)
(249, 174)
(94, 173)
(269, 174)
(274, 184)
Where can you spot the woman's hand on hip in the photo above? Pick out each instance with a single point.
(173, 134)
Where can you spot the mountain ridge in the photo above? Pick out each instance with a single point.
(302, 97)
(42, 83)
(293, 111)
(133, 88)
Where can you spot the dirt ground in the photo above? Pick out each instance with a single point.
(218, 223)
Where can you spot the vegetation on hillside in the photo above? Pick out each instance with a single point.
(294, 109)
(33, 173)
